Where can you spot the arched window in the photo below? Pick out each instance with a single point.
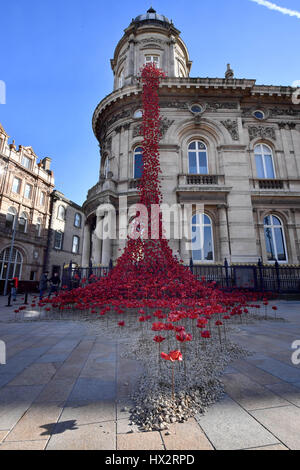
(138, 163)
(11, 217)
(75, 244)
(275, 240)
(264, 161)
(15, 269)
(106, 167)
(61, 213)
(23, 222)
(121, 78)
(198, 158)
(38, 227)
(202, 238)
(77, 220)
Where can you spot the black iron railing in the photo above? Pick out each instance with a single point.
(275, 278)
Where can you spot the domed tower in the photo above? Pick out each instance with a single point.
(149, 38)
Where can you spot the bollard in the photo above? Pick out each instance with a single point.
(26, 299)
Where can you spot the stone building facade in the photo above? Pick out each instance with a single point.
(25, 188)
(227, 143)
(65, 237)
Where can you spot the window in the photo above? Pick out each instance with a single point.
(23, 221)
(58, 240)
(11, 217)
(274, 237)
(121, 79)
(77, 220)
(264, 161)
(32, 275)
(202, 238)
(259, 115)
(138, 163)
(26, 162)
(42, 198)
(15, 269)
(28, 191)
(16, 185)
(138, 114)
(106, 167)
(197, 158)
(38, 227)
(61, 213)
(152, 59)
(75, 244)
(196, 109)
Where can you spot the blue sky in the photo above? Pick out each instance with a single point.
(55, 61)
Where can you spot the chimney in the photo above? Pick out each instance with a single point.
(46, 162)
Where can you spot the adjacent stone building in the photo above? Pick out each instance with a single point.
(25, 188)
(227, 143)
(66, 233)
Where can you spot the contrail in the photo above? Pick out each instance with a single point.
(273, 6)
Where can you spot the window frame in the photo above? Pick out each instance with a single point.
(61, 240)
(24, 157)
(14, 213)
(30, 189)
(152, 56)
(17, 260)
(263, 155)
(197, 151)
(134, 155)
(273, 228)
(80, 220)
(19, 186)
(58, 213)
(202, 226)
(76, 237)
(23, 216)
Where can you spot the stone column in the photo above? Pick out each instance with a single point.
(106, 251)
(86, 245)
(185, 253)
(97, 241)
(223, 234)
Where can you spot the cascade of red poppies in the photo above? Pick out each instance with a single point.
(147, 270)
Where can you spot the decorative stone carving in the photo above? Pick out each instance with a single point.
(164, 126)
(232, 127)
(287, 125)
(262, 132)
(214, 106)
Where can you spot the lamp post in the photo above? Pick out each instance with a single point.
(15, 222)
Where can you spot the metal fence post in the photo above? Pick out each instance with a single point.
(111, 265)
(70, 274)
(191, 265)
(226, 272)
(260, 274)
(277, 275)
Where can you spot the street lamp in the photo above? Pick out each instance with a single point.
(15, 222)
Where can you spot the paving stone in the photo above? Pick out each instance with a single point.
(37, 423)
(229, 427)
(91, 389)
(14, 401)
(273, 447)
(259, 375)
(3, 434)
(289, 392)
(124, 427)
(186, 436)
(62, 357)
(57, 390)
(140, 441)
(95, 367)
(89, 412)
(277, 368)
(283, 422)
(68, 436)
(249, 394)
(24, 445)
(35, 374)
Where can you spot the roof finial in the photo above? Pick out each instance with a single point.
(229, 72)
(151, 10)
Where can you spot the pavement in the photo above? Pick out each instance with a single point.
(65, 388)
